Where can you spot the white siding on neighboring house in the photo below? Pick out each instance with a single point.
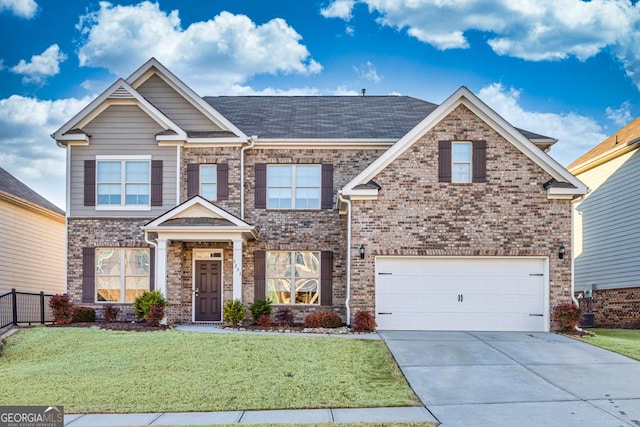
(171, 103)
(32, 250)
(606, 227)
(122, 130)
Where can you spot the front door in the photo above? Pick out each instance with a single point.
(207, 296)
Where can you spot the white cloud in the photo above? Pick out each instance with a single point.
(368, 71)
(339, 9)
(227, 50)
(620, 116)
(26, 149)
(576, 134)
(534, 30)
(22, 8)
(41, 66)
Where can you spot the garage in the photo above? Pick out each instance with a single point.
(462, 293)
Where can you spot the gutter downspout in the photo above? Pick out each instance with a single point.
(252, 143)
(348, 300)
(576, 303)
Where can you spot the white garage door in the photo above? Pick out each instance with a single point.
(461, 294)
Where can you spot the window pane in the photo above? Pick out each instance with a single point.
(461, 173)
(109, 171)
(308, 176)
(137, 172)
(209, 191)
(307, 291)
(307, 264)
(461, 152)
(208, 174)
(136, 261)
(109, 194)
(279, 291)
(278, 264)
(279, 176)
(279, 198)
(137, 194)
(108, 262)
(108, 288)
(307, 198)
(134, 287)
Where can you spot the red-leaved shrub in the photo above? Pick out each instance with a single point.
(364, 322)
(83, 314)
(61, 306)
(567, 315)
(264, 320)
(110, 312)
(156, 313)
(322, 320)
(283, 317)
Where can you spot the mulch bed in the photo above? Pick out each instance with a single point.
(115, 326)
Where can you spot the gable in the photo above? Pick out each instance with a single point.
(123, 124)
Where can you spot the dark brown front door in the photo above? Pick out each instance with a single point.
(208, 293)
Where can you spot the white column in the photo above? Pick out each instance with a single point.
(161, 271)
(237, 269)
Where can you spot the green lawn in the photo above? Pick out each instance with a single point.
(95, 371)
(623, 341)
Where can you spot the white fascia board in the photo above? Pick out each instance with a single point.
(146, 70)
(361, 194)
(306, 143)
(74, 139)
(204, 234)
(192, 142)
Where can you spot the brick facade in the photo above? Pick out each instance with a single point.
(614, 308)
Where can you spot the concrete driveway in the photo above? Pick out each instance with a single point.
(517, 379)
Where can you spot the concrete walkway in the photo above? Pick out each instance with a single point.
(517, 379)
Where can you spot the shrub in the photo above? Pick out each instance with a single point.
(364, 322)
(259, 308)
(567, 315)
(322, 320)
(284, 317)
(156, 313)
(110, 312)
(83, 314)
(61, 306)
(143, 303)
(233, 312)
(264, 320)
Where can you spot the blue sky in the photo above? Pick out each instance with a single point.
(564, 68)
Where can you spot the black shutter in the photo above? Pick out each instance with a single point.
(327, 186)
(152, 269)
(223, 181)
(89, 182)
(444, 161)
(156, 183)
(479, 161)
(88, 274)
(261, 186)
(326, 278)
(259, 275)
(193, 179)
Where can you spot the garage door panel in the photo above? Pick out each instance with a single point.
(461, 293)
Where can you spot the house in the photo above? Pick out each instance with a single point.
(429, 216)
(32, 247)
(606, 232)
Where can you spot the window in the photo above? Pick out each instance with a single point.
(121, 274)
(293, 277)
(209, 182)
(461, 161)
(123, 182)
(293, 186)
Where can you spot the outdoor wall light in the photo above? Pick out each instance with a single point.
(561, 251)
(362, 251)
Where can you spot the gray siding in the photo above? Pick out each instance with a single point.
(167, 100)
(610, 228)
(122, 130)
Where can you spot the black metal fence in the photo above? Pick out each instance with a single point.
(24, 307)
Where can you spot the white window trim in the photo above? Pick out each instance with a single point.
(293, 187)
(200, 182)
(470, 162)
(123, 276)
(122, 205)
(292, 278)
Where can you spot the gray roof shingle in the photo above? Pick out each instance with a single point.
(11, 185)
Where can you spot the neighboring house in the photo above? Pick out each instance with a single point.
(606, 228)
(430, 216)
(32, 247)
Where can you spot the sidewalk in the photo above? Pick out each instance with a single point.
(294, 416)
